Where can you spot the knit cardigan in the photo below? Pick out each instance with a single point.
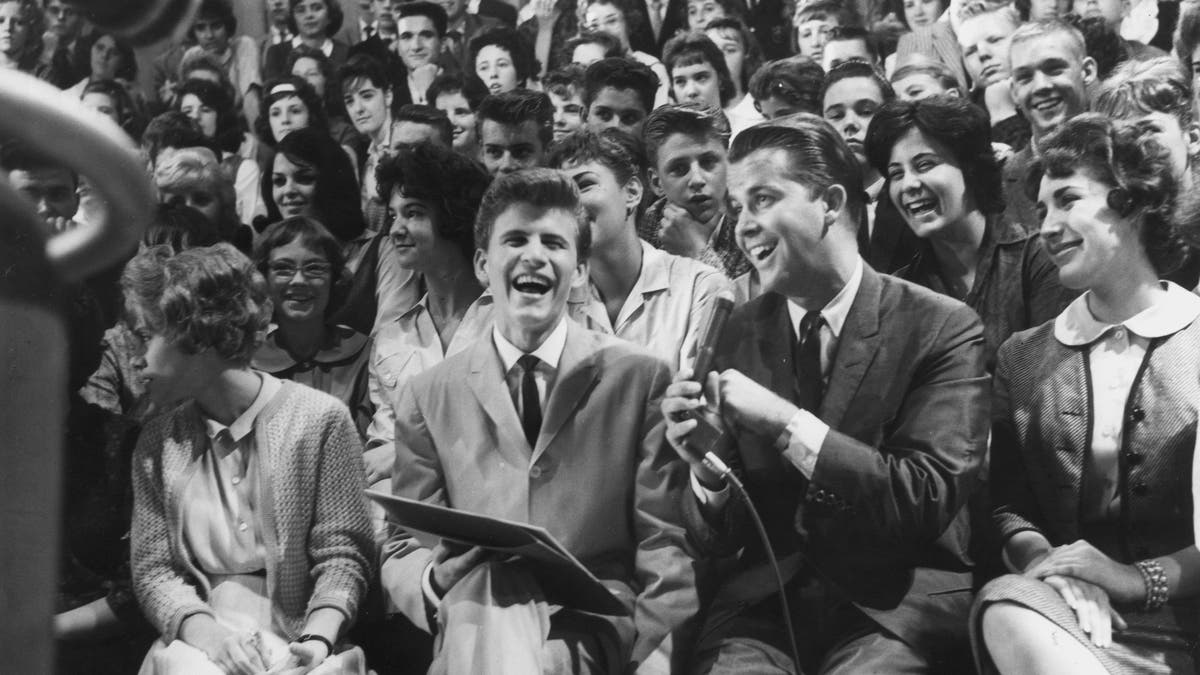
(315, 524)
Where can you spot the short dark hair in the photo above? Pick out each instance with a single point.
(333, 86)
(517, 106)
(543, 189)
(560, 81)
(467, 84)
(1187, 34)
(288, 87)
(846, 33)
(753, 51)
(518, 48)
(363, 67)
(128, 111)
(610, 44)
(129, 63)
(316, 237)
(819, 156)
(828, 9)
(797, 80)
(336, 198)
(335, 17)
(209, 298)
(919, 64)
(229, 123)
(963, 128)
(584, 145)
(693, 48)
(848, 70)
(18, 155)
(221, 10)
(1126, 157)
(449, 181)
(429, 116)
(173, 129)
(691, 119)
(435, 12)
(180, 227)
(620, 72)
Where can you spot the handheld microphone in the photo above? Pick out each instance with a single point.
(709, 432)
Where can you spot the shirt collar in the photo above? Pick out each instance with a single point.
(326, 46)
(835, 312)
(874, 189)
(1076, 326)
(655, 275)
(549, 352)
(244, 424)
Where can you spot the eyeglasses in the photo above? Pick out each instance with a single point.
(282, 271)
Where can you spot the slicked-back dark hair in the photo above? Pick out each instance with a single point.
(173, 129)
(693, 48)
(691, 119)
(468, 85)
(583, 146)
(963, 128)
(221, 10)
(818, 156)
(517, 106)
(363, 67)
(1126, 157)
(620, 73)
(543, 189)
(561, 80)
(449, 181)
(848, 70)
(435, 12)
(797, 80)
(335, 17)
(518, 48)
(429, 116)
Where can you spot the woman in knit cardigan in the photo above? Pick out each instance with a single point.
(251, 543)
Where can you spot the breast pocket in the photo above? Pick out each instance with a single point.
(391, 370)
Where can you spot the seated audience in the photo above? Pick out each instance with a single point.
(464, 24)
(502, 60)
(251, 546)
(743, 58)
(943, 179)
(1094, 427)
(686, 145)
(636, 292)
(788, 86)
(985, 37)
(856, 411)
(514, 129)
(420, 31)
(565, 88)
(306, 276)
(214, 30)
(592, 470)
(193, 177)
(313, 23)
(65, 55)
(112, 99)
(852, 93)
(459, 97)
(312, 66)
(849, 43)
(618, 93)
(369, 99)
(697, 70)
(812, 23)
(413, 124)
(24, 25)
(111, 59)
(609, 16)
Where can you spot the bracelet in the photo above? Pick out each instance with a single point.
(313, 637)
(1155, 580)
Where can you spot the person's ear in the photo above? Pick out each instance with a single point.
(481, 274)
(656, 185)
(834, 201)
(387, 99)
(633, 193)
(1191, 134)
(1090, 69)
(580, 278)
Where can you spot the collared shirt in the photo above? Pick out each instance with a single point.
(665, 308)
(277, 35)
(1115, 353)
(805, 433)
(416, 93)
(222, 521)
(326, 46)
(548, 355)
(375, 154)
(873, 191)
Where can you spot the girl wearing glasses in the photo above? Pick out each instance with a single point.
(305, 272)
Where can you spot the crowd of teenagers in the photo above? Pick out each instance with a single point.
(463, 253)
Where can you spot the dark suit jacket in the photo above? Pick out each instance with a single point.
(892, 244)
(882, 517)
(377, 49)
(600, 478)
(498, 10)
(1041, 438)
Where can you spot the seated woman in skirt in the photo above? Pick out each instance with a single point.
(251, 542)
(1094, 428)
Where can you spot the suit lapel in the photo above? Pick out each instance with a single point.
(857, 346)
(577, 374)
(487, 383)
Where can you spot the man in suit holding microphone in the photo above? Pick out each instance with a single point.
(544, 422)
(856, 415)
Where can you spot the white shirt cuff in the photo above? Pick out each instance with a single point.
(431, 597)
(801, 441)
(708, 498)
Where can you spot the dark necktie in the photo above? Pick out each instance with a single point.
(531, 409)
(806, 363)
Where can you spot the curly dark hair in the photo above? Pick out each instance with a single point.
(961, 127)
(334, 106)
(336, 200)
(229, 124)
(209, 298)
(584, 145)
(290, 87)
(450, 182)
(518, 48)
(796, 80)
(517, 106)
(620, 72)
(1129, 159)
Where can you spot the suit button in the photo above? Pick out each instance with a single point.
(1134, 458)
(819, 497)
(1137, 414)
(1141, 489)
(535, 472)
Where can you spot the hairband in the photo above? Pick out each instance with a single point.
(283, 88)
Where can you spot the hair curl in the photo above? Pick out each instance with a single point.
(518, 48)
(621, 73)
